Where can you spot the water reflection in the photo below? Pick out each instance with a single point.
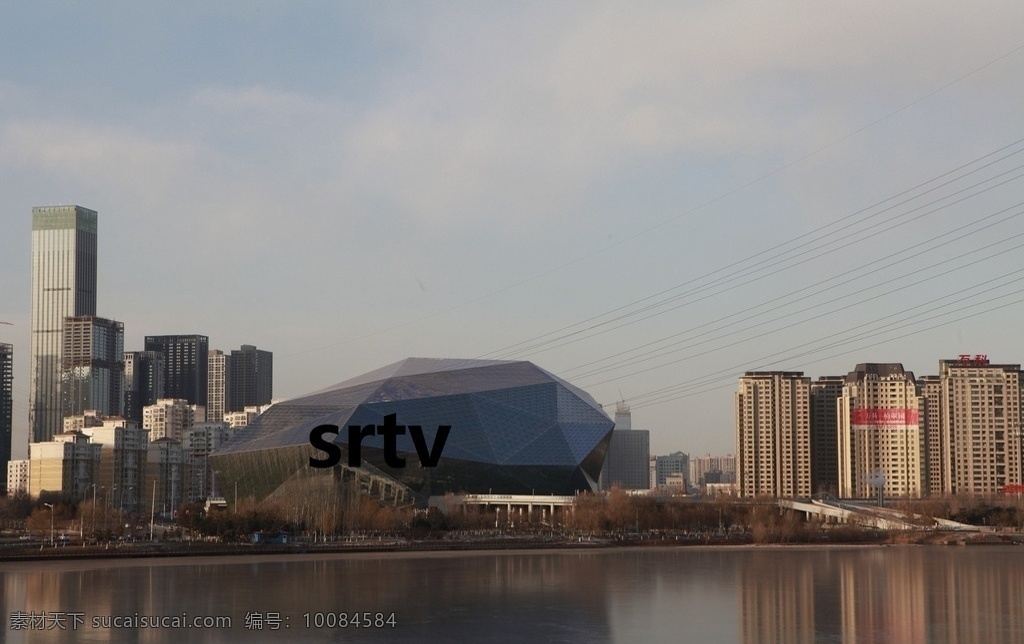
(912, 595)
(751, 595)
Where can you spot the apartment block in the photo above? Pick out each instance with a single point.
(980, 427)
(170, 417)
(122, 468)
(773, 434)
(166, 473)
(881, 438)
(825, 394)
(67, 465)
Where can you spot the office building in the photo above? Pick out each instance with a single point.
(186, 366)
(665, 466)
(250, 378)
(773, 434)
(92, 366)
(143, 382)
(63, 285)
(881, 440)
(627, 463)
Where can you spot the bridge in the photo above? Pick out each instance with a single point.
(835, 511)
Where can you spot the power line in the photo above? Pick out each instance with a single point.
(819, 252)
(746, 314)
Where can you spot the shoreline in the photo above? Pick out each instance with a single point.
(212, 558)
(172, 554)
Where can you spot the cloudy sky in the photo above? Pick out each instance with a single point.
(646, 199)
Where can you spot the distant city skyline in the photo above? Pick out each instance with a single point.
(647, 201)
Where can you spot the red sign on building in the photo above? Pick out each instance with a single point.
(884, 418)
(978, 360)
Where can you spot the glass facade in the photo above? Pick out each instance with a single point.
(92, 366)
(186, 365)
(63, 285)
(515, 429)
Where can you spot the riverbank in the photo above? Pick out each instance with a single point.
(148, 549)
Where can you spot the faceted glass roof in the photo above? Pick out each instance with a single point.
(514, 426)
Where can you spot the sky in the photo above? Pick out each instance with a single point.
(645, 199)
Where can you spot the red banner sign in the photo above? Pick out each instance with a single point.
(884, 418)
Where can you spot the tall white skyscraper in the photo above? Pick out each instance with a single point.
(218, 391)
(63, 285)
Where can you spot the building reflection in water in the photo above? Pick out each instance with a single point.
(956, 595)
(913, 595)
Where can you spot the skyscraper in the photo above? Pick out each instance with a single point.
(250, 379)
(63, 285)
(143, 382)
(218, 390)
(186, 365)
(6, 401)
(93, 365)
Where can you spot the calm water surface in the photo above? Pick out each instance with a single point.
(966, 595)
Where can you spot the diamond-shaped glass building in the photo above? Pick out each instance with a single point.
(515, 429)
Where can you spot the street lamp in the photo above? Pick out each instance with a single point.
(120, 508)
(50, 505)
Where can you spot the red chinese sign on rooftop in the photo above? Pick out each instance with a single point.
(978, 360)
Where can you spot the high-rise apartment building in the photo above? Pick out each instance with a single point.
(981, 424)
(6, 404)
(825, 392)
(773, 434)
(186, 366)
(937, 472)
(63, 285)
(250, 378)
(218, 390)
(92, 366)
(143, 382)
(881, 439)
